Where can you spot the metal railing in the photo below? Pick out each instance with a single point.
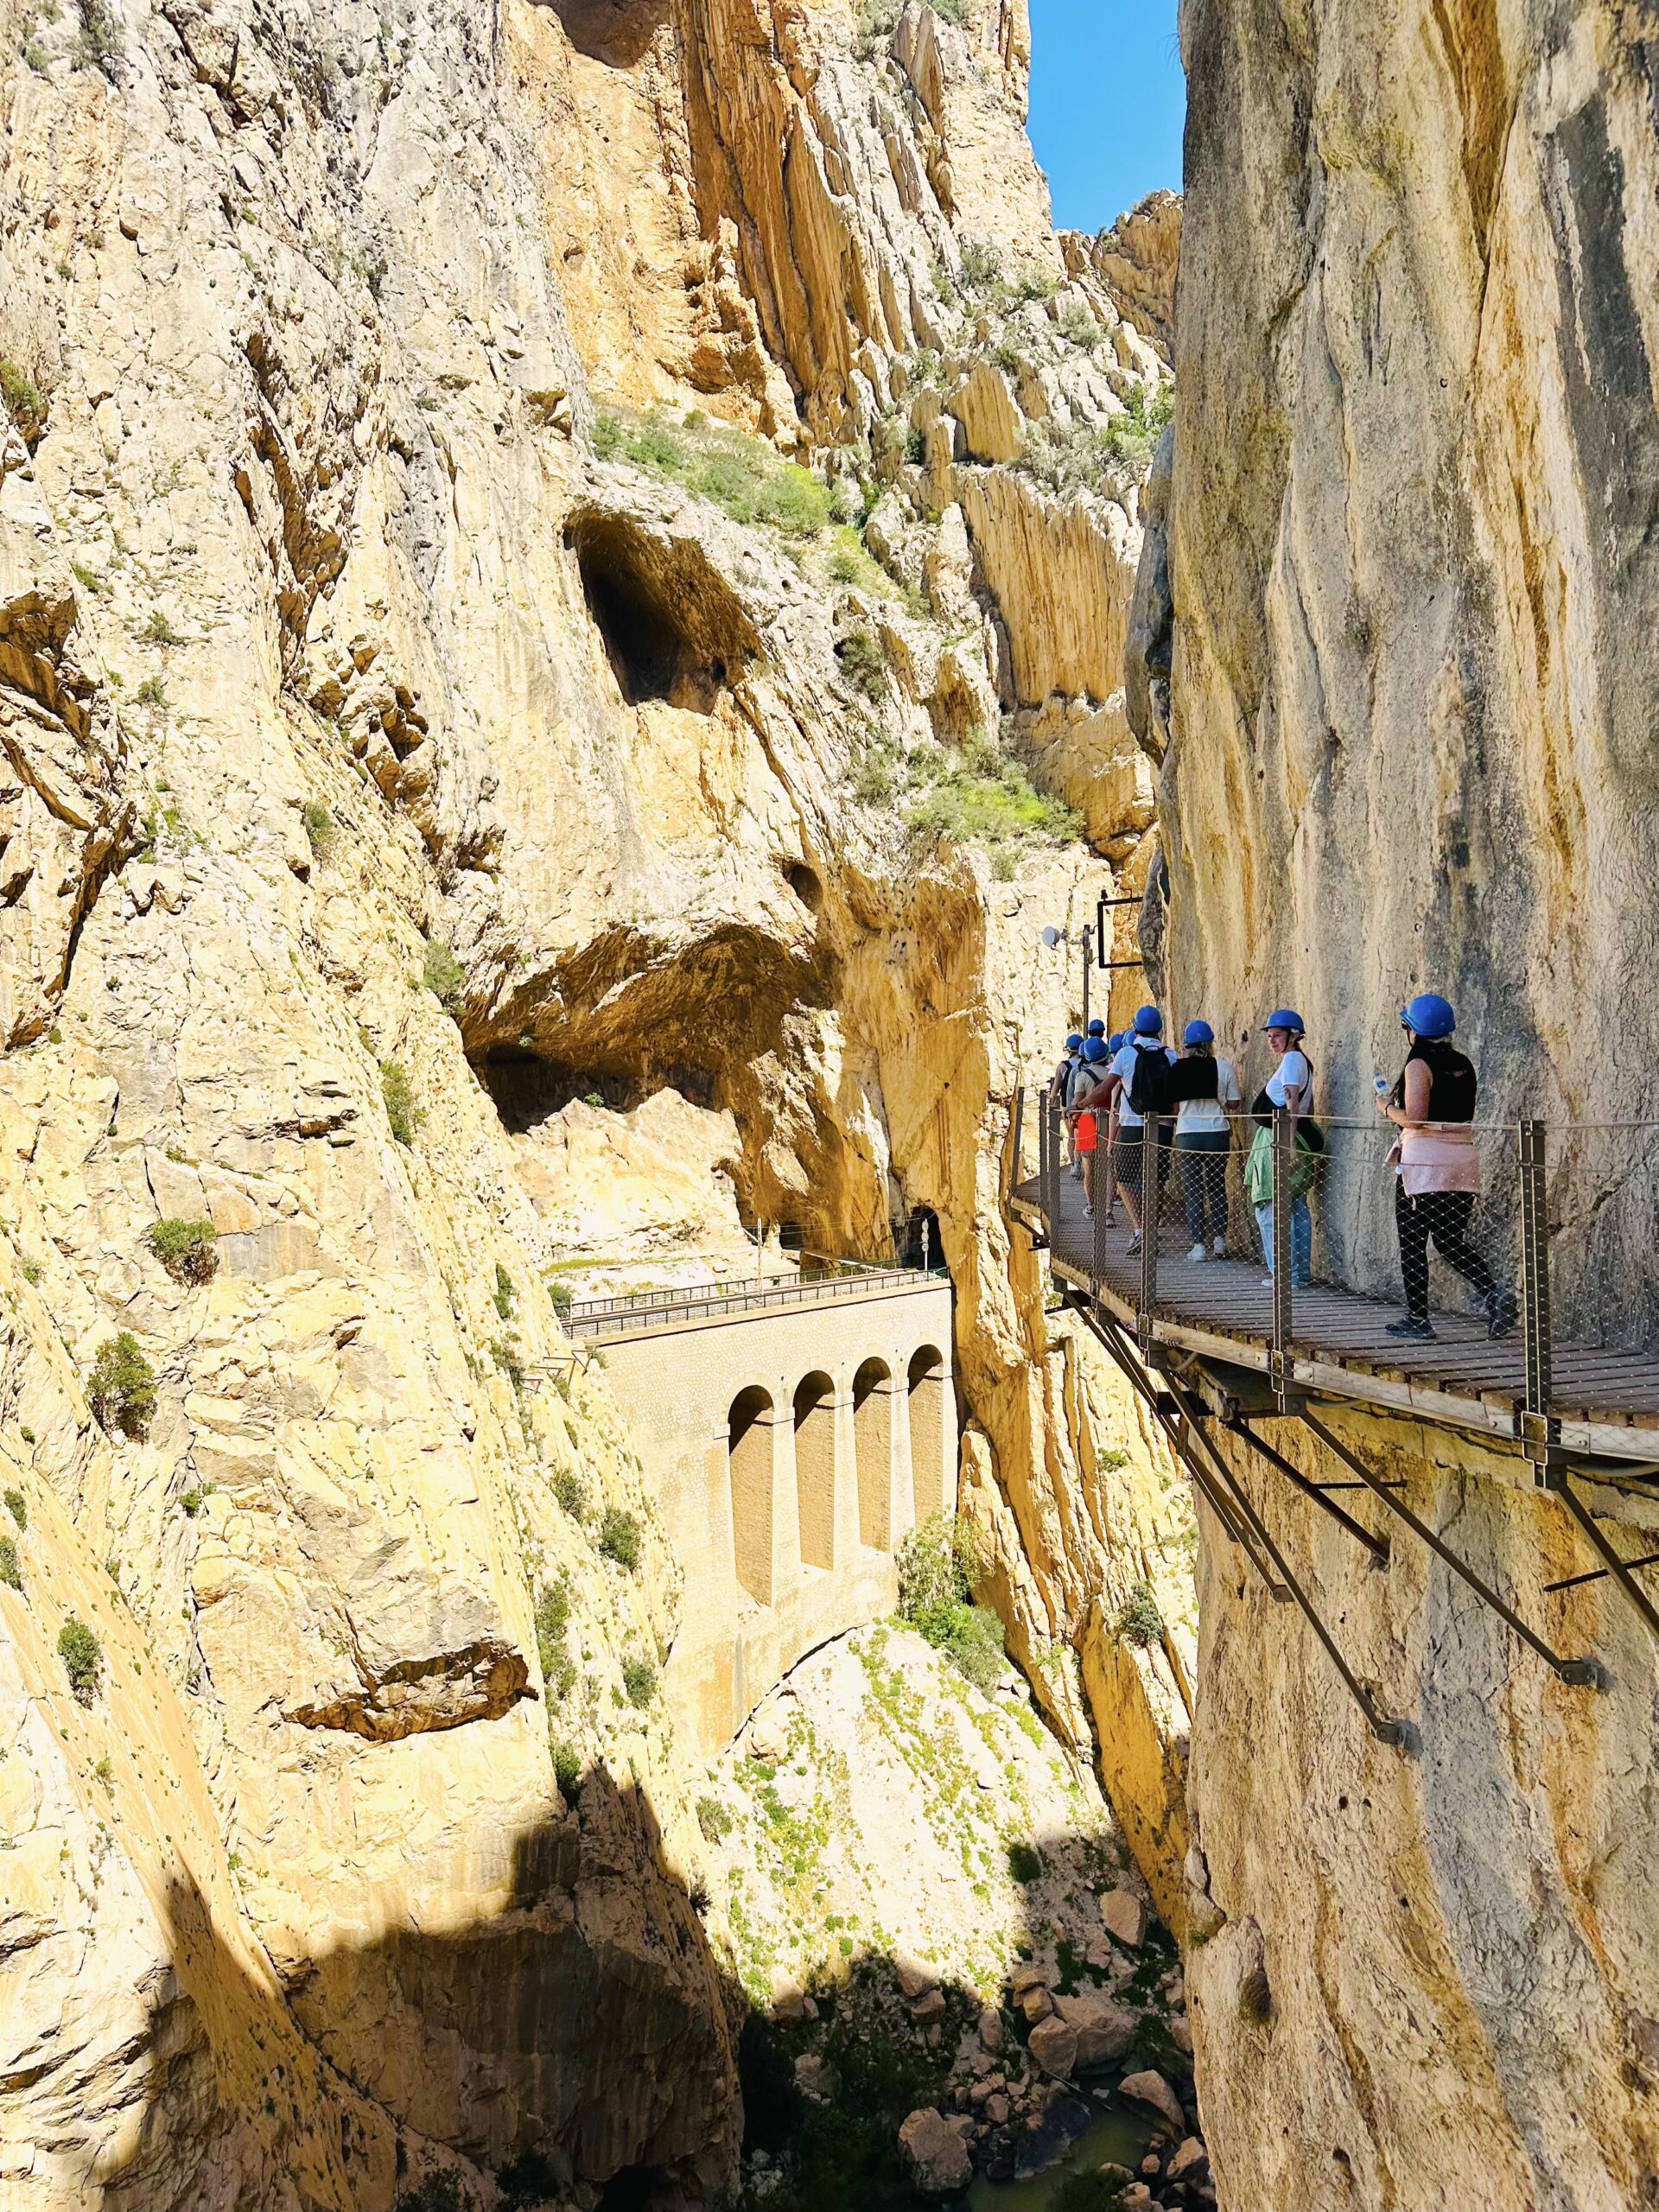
(1519, 1261)
(593, 1317)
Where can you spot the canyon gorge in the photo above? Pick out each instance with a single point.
(581, 582)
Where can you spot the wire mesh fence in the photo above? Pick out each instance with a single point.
(1493, 1258)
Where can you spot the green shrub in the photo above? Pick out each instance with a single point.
(973, 1639)
(608, 437)
(121, 1389)
(443, 974)
(1078, 327)
(504, 1293)
(1025, 1863)
(864, 664)
(1092, 2191)
(875, 24)
(17, 1508)
(552, 1638)
(713, 461)
(640, 1681)
(795, 502)
(193, 1499)
(571, 1491)
(83, 1658)
(1138, 1620)
(714, 1820)
(938, 1565)
(563, 1299)
(158, 631)
(319, 829)
(619, 1537)
(10, 1573)
(403, 1113)
(439, 2192)
(187, 1249)
(23, 400)
(100, 44)
(567, 1772)
(152, 692)
(511, 1361)
(979, 797)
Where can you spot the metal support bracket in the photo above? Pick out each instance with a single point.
(1617, 1567)
(1582, 1674)
(1377, 1546)
(1401, 1733)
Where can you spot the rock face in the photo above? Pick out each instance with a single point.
(458, 833)
(1410, 568)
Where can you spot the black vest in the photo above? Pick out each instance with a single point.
(1453, 1083)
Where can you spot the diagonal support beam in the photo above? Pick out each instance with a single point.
(1583, 1674)
(1106, 1329)
(1601, 1574)
(1377, 1546)
(1398, 1733)
(1618, 1568)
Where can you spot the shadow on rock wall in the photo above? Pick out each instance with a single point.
(576, 2047)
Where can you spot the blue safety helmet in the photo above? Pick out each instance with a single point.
(1198, 1033)
(1285, 1017)
(1430, 1015)
(1074, 1042)
(1094, 1051)
(1116, 1041)
(1148, 1022)
(1097, 1027)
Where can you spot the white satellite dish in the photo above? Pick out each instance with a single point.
(1051, 936)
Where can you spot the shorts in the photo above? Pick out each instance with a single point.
(1126, 1158)
(1088, 1134)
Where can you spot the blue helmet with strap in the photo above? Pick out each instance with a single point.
(1074, 1042)
(1429, 1015)
(1285, 1017)
(1198, 1033)
(1094, 1051)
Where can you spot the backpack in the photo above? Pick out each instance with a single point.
(1149, 1086)
(1197, 1078)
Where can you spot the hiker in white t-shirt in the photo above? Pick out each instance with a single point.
(1290, 1085)
(1146, 1036)
(1203, 1137)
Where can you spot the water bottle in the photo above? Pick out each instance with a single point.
(1380, 1083)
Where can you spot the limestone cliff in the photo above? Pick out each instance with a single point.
(426, 771)
(1394, 652)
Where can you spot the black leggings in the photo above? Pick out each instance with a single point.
(1444, 1216)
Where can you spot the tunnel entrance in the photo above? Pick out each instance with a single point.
(673, 629)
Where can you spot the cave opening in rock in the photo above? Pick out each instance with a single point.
(527, 1090)
(803, 882)
(618, 33)
(672, 626)
(641, 2188)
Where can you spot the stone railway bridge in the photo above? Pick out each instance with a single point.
(793, 1434)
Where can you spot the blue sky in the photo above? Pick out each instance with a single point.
(1107, 103)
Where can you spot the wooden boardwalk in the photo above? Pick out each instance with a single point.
(1607, 1401)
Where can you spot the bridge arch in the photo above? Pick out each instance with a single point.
(873, 1453)
(816, 1458)
(926, 1404)
(749, 1449)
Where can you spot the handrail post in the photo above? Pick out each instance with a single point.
(1284, 1163)
(1055, 1161)
(1540, 1435)
(1148, 1232)
(1043, 1135)
(1018, 1135)
(1105, 1192)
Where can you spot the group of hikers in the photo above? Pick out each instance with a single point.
(1110, 1087)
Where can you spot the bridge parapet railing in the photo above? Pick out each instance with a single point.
(660, 1309)
(1515, 1260)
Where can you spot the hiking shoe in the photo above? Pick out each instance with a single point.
(1134, 1243)
(1218, 1246)
(1410, 1328)
(1504, 1313)
(1087, 1210)
(1199, 1252)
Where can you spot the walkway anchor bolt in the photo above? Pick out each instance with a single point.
(1585, 1674)
(1401, 1733)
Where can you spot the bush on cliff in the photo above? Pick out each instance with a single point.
(938, 1567)
(83, 1658)
(187, 1249)
(121, 1389)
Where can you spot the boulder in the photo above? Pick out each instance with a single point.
(1151, 2089)
(1104, 2031)
(935, 2153)
(1125, 1916)
(816, 2079)
(1036, 2004)
(1025, 1977)
(769, 1732)
(928, 2007)
(1190, 2162)
(914, 1977)
(788, 1997)
(991, 2031)
(1054, 2047)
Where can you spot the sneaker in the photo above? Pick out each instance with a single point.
(1502, 1314)
(1134, 1243)
(1267, 1282)
(1410, 1328)
(1199, 1252)
(1087, 1210)
(1218, 1246)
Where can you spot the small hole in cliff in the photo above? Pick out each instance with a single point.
(1255, 1996)
(615, 31)
(803, 882)
(672, 626)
